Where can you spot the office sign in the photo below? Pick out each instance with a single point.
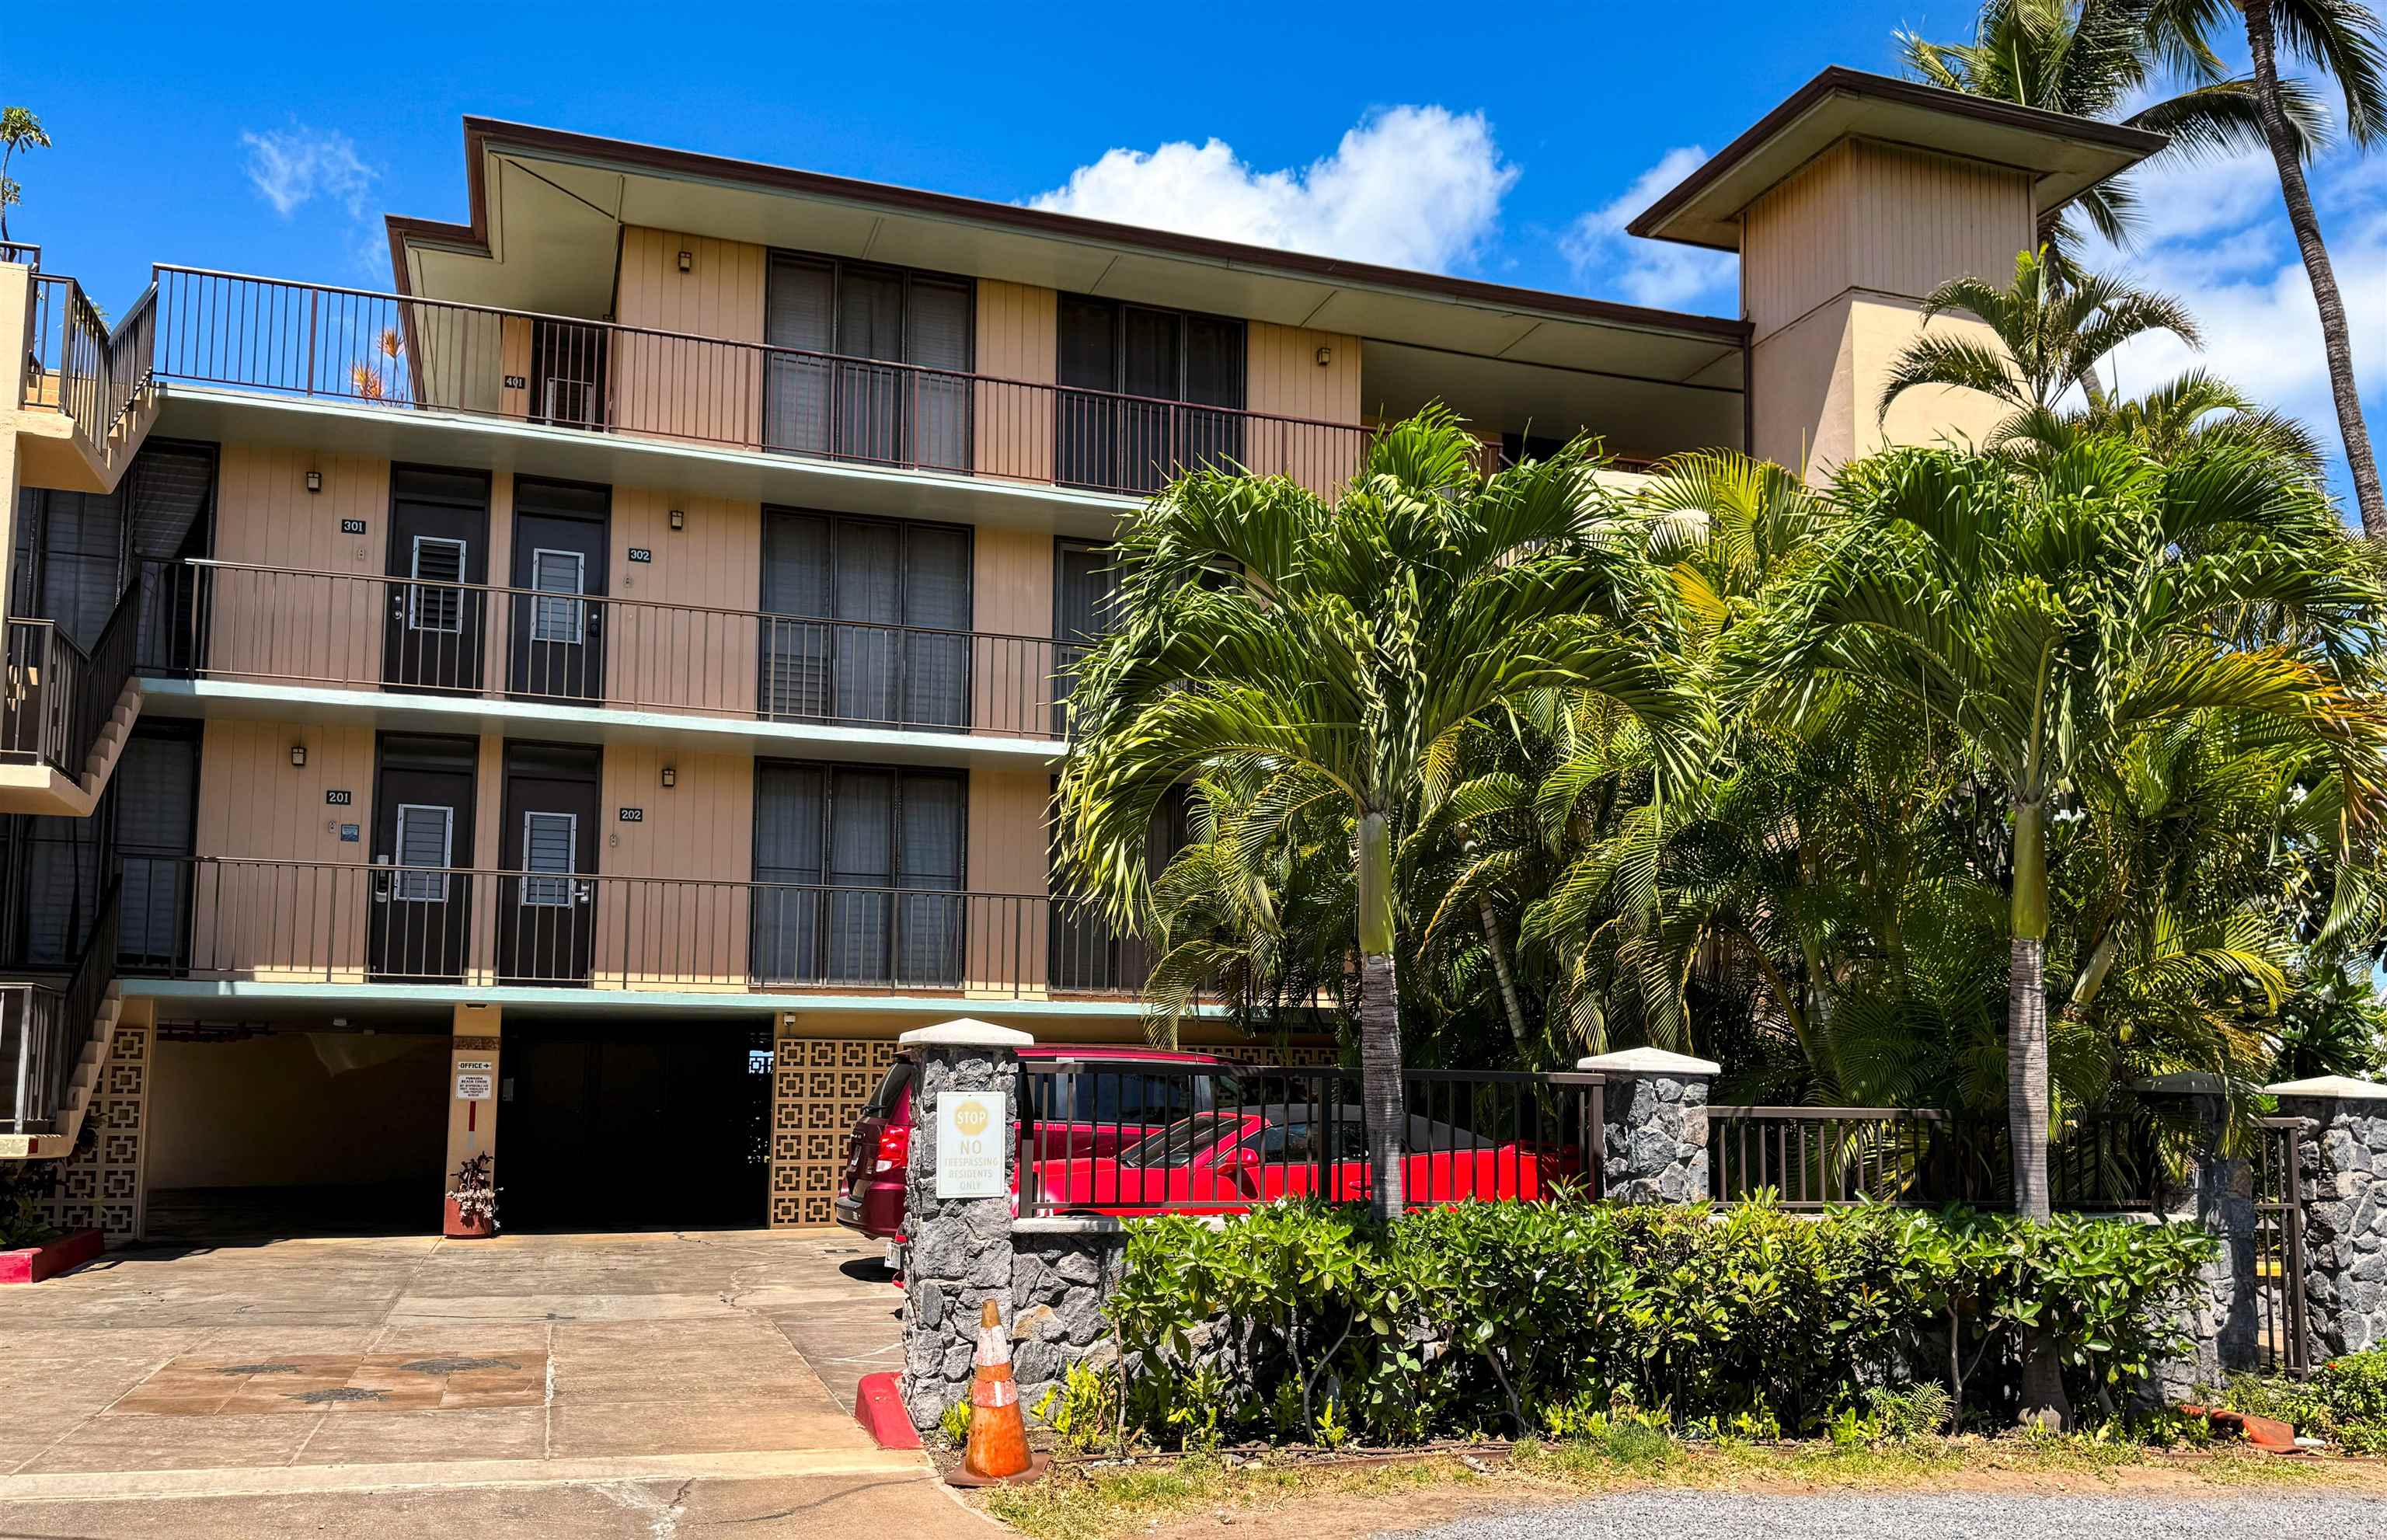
(972, 1138)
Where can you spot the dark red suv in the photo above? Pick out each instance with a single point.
(1087, 1115)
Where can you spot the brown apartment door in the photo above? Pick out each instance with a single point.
(438, 555)
(546, 903)
(557, 630)
(420, 922)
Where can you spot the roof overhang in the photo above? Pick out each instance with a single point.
(2064, 155)
(546, 205)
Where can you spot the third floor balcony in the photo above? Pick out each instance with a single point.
(405, 355)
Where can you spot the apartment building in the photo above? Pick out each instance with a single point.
(581, 704)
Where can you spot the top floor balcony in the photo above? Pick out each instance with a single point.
(352, 347)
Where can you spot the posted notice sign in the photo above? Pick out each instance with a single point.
(972, 1126)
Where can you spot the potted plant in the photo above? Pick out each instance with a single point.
(473, 1202)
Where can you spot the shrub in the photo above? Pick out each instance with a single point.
(2344, 1401)
(1575, 1316)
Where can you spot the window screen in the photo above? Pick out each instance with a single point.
(550, 840)
(425, 838)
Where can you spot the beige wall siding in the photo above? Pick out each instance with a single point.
(684, 935)
(685, 659)
(1879, 217)
(1008, 854)
(1283, 378)
(292, 629)
(689, 389)
(1011, 601)
(1818, 383)
(280, 906)
(1018, 335)
(513, 362)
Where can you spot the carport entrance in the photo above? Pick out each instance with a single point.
(262, 1131)
(634, 1125)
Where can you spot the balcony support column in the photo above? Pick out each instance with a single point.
(473, 1088)
(15, 310)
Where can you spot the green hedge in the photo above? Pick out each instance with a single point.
(1303, 1321)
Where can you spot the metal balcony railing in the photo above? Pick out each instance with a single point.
(223, 620)
(230, 919)
(425, 355)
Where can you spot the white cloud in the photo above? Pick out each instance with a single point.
(1662, 273)
(1409, 186)
(292, 166)
(2217, 237)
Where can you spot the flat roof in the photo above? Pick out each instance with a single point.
(2065, 156)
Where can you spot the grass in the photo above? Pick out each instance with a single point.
(1100, 1503)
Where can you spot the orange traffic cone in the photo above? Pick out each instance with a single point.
(998, 1436)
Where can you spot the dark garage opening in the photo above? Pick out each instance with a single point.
(634, 1125)
(262, 1131)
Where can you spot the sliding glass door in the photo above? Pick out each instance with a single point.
(1147, 393)
(867, 363)
(863, 868)
(866, 621)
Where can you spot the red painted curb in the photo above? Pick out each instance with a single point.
(878, 1407)
(32, 1264)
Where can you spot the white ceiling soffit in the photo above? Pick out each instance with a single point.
(551, 249)
(1637, 417)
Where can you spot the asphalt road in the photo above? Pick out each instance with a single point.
(1948, 1516)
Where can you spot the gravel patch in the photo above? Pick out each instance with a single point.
(1949, 1516)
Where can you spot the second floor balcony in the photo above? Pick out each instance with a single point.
(289, 627)
(391, 352)
(236, 921)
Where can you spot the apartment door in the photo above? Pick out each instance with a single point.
(419, 927)
(567, 366)
(438, 560)
(546, 903)
(558, 629)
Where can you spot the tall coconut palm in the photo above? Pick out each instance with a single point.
(1332, 649)
(2100, 58)
(2340, 40)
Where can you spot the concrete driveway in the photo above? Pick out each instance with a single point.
(640, 1385)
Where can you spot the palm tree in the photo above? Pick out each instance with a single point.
(2339, 38)
(1335, 649)
(2093, 58)
(2048, 615)
(2050, 335)
(19, 130)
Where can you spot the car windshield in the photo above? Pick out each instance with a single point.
(1180, 1143)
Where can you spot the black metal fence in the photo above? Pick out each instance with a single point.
(2282, 1331)
(1144, 1135)
(44, 1023)
(57, 698)
(1813, 1157)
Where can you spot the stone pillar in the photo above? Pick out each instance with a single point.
(959, 1249)
(474, 1089)
(2217, 1192)
(2342, 1161)
(1655, 1105)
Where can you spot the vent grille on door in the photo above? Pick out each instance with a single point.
(425, 838)
(548, 839)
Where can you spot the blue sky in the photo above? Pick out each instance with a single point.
(1507, 144)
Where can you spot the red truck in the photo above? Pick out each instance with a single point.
(1085, 1116)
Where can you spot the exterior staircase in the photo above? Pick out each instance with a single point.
(55, 1038)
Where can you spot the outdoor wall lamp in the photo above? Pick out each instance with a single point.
(687, 262)
(671, 776)
(314, 481)
(1325, 356)
(678, 518)
(298, 754)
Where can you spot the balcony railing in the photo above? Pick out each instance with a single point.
(404, 354)
(80, 365)
(221, 620)
(44, 1023)
(276, 921)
